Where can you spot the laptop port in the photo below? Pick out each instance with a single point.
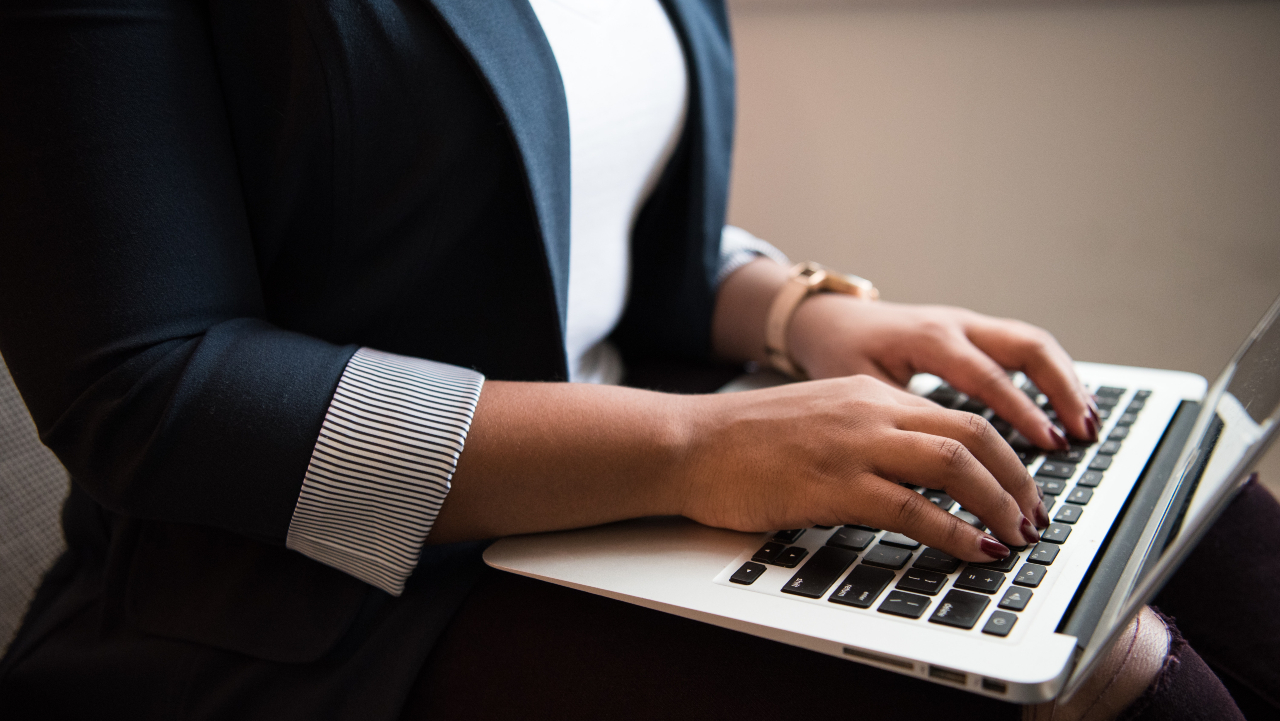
(947, 674)
(990, 684)
(877, 658)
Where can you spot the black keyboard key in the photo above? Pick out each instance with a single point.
(1000, 623)
(1106, 402)
(940, 499)
(1015, 599)
(1044, 554)
(927, 582)
(1080, 496)
(960, 609)
(1141, 395)
(1136, 406)
(790, 536)
(1127, 419)
(970, 519)
(887, 556)
(1100, 463)
(1109, 392)
(1104, 414)
(1056, 533)
(768, 552)
(862, 586)
(748, 574)
(791, 557)
(980, 579)
(1110, 448)
(1068, 513)
(1004, 565)
(1002, 426)
(1054, 469)
(1030, 575)
(931, 559)
(824, 528)
(1020, 442)
(899, 540)
(1075, 454)
(853, 539)
(813, 580)
(904, 604)
(861, 527)
(1119, 433)
(973, 405)
(1051, 486)
(1090, 479)
(945, 396)
(1027, 457)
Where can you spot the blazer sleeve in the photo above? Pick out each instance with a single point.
(131, 312)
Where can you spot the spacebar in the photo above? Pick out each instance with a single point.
(816, 576)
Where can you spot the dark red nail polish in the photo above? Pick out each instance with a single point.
(1059, 440)
(993, 548)
(1042, 516)
(1028, 532)
(1091, 428)
(1040, 492)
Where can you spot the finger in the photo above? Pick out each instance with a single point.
(1035, 352)
(990, 450)
(972, 371)
(947, 465)
(894, 508)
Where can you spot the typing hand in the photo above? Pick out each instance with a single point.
(831, 452)
(832, 335)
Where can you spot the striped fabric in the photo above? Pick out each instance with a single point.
(738, 247)
(382, 465)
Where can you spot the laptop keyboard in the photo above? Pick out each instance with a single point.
(856, 564)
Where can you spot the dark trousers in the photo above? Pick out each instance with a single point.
(525, 649)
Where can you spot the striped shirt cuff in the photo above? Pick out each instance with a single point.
(382, 466)
(738, 247)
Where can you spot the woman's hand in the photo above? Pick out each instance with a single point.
(834, 451)
(834, 335)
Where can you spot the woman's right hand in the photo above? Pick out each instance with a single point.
(835, 451)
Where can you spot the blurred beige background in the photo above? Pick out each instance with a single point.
(1108, 170)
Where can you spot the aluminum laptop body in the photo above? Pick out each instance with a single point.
(1185, 455)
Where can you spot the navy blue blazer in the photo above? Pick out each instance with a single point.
(206, 207)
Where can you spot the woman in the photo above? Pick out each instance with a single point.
(283, 287)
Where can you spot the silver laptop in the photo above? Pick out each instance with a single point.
(1126, 511)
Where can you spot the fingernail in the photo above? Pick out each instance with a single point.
(1040, 492)
(1059, 439)
(1028, 532)
(993, 548)
(1042, 517)
(1091, 428)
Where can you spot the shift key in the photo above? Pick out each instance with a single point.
(815, 577)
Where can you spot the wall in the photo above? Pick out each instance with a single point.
(1108, 171)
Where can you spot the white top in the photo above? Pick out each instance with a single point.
(627, 90)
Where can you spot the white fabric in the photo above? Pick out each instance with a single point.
(627, 90)
(738, 247)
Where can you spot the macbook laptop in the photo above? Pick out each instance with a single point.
(1126, 510)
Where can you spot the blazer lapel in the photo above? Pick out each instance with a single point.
(506, 42)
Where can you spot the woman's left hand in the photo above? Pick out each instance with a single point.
(834, 335)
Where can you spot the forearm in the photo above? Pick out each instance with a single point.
(550, 456)
(742, 307)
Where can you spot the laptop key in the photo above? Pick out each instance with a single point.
(1000, 623)
(1044, 554)
(1075, 454)
(970, 519)
(940, 499)
(1079, 496)
(768, 552)
(1090, 479)
(1056, 533)
(1127, 419)
(853, 539)
(813, 580)
(1136, 405)
(1051, 486)
(1104, 414)
(791, 557)
(931, 559)
(899, 540)
(862, 586)
(1054, 469)
(748, 574)
(1100, 463)
(1004, 565)
(960, 609)
(1119, 433)
(1106, 401)
(1141, 395)
(1110, 392)
(945, 396)
(983, 580)
(904, 604)
(1068, 513)
(1110, 448)
(920, 581)
(1015, 599)
(887, 556)
(1027, 457)
(790, 536)
(1030, 575)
